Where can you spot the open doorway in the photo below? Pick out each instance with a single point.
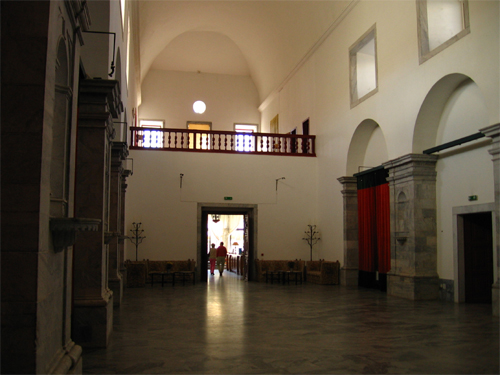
(232, 239)
(229, 229)
(478, 257)
(474, 253)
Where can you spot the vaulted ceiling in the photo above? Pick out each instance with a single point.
(265, 40)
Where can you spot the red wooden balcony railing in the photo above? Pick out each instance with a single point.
(221, 142)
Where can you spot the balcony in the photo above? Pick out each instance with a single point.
(222, 142)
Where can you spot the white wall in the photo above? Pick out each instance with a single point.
(402, 87)
(319, 91)
(169, 214)
(461, 174)
(169, 96)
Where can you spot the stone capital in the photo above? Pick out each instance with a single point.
(349, 184)
(119, 150)
(493, 132)
(99, 91)
(412, 167)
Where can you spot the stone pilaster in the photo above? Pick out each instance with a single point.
(99, 101)
(412, 182)
(119, 153)
(493, 132)
(121, 240)
(350, 268)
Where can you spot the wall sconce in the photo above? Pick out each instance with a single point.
(282, 178)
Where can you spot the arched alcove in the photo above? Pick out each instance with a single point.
(401, 207)
(455, 108)
(368, 147)
(59, 172)
(426, 126)
(120, 123)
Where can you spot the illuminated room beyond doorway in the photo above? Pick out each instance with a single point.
(233, 221)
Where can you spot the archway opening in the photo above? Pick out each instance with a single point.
(368, 148)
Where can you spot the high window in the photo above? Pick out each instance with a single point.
(152, 139)
(440, 24)
(245, 142)
(363, 67)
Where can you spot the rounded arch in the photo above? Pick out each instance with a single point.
(368, 147)
(205, 51)
(429, 116)
(59, 165)
(453, 108)
(62, 69)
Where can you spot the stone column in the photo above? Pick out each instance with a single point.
(350, 269)
(412, 183)
(119, 153)
(493, 132)
(99, 101)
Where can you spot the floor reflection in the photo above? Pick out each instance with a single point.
(230, 326)
(225, 315)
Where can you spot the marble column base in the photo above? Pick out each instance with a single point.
(116, 286)
(78, 369)
(349, 276)
(495, 300)
(92, 322)
(70, 361)
(413, 287)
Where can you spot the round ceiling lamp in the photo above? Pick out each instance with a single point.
(199, 107)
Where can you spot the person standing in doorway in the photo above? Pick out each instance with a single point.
(213, 258)
(221, 257)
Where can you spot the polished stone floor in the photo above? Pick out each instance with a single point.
(228, 326)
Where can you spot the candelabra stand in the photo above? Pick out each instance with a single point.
(136, 237)
(311, 237)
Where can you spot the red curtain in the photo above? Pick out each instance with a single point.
(374, 229)
(383, 228)
(367, 229)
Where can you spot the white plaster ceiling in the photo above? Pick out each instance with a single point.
(266, 40)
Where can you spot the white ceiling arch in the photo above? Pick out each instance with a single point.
(272, 36)
(202, 51)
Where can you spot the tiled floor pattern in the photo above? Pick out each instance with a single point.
(228, 326)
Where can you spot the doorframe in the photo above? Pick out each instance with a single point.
(458, 244)
(205, 209)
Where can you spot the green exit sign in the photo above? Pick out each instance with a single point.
(228, 198)
(472, 197)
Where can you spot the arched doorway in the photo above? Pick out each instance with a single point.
(455, 108)
(367, 151)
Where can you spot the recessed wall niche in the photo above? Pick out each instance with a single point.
(59, 166)
(402, 218)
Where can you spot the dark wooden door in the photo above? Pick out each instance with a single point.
(478, 257)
